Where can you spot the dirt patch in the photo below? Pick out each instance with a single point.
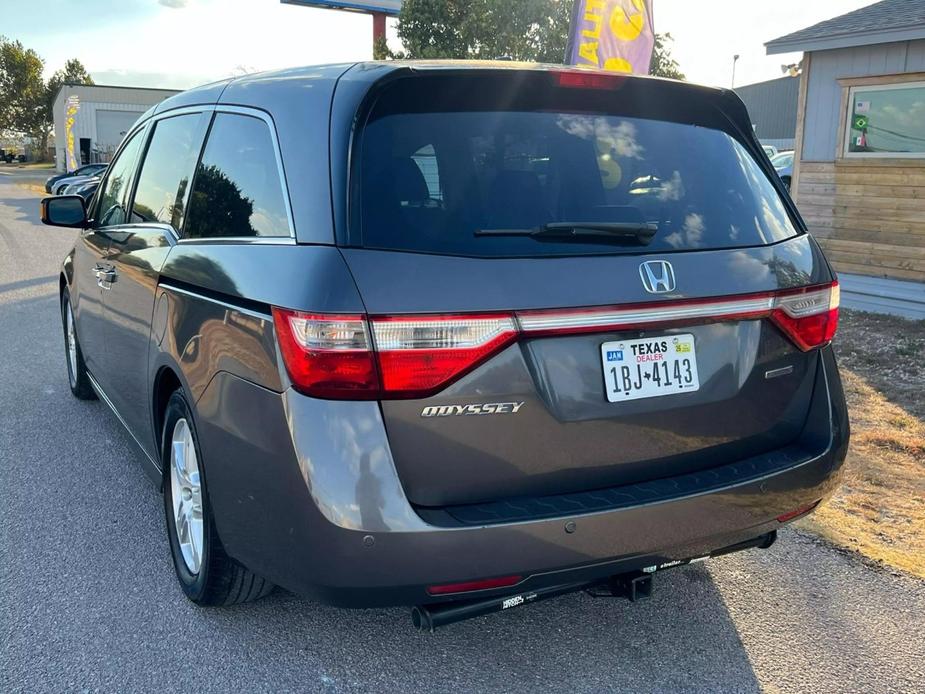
(879, 510)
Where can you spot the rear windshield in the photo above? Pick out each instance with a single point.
(475, 183)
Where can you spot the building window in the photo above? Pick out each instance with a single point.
(886, 121)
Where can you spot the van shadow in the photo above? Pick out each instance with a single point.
(681, 638)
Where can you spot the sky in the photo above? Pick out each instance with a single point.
(182, 43)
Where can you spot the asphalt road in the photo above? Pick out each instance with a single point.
(88, 600)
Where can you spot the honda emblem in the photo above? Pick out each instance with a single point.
(657, 276)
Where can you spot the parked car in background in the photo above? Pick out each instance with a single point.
(64, 183)
(84, 189)
(462, 360)
(770, 150)
(85, 170)
(783, 165)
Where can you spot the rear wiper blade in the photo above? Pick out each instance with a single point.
(622, 232)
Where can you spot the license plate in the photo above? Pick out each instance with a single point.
(649, 367)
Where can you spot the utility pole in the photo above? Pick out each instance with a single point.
(378, 26)
(735, 59)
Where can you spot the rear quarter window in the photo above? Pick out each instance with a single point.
(237, 191)
(430, 181)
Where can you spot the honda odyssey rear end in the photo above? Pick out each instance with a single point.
(527, 329)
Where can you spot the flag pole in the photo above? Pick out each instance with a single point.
(572, 26)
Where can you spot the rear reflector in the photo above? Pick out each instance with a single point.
(469, 586)
(796, 513)
(357, 357)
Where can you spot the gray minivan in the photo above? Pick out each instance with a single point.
(459, 336)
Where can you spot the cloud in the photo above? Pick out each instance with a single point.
(173, 4)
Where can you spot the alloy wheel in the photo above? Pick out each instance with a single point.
(71, 339)
(186, 495)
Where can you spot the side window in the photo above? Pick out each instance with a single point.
(162, 186)
(237, 190)
(111, 208)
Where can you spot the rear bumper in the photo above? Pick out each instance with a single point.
(305, 493)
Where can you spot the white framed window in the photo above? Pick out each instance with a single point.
(886, 121)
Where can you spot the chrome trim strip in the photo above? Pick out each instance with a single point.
(244, 240)
(181, 111)
(105, 398)
(255, 314)
(774, 373)
(599, 318)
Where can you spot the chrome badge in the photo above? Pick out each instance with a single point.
(472, 410)
(657, 276)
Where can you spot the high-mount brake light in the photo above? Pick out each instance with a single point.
(587, 79)
(356, 357)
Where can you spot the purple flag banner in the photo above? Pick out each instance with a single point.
(612, 35)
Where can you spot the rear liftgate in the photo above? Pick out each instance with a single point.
(633, 586)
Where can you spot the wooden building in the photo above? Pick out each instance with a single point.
(859, 169)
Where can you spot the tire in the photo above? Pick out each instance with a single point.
(207, 575)
(77, 377)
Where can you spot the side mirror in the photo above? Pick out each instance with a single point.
(64, 211)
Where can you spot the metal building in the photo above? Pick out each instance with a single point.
(772, 106)
(90, 121)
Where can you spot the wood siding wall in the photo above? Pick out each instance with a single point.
(868, 215)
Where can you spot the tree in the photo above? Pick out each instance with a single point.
(663, 65)
(530, 30)
(21, 87)
(26, 100)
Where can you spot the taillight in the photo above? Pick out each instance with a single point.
(332, 356)
(809, 317)
(355, 357)
(418, 356)
(327, 356)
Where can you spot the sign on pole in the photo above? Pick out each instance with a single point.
(72, 106)
(390, 7)
(613, 35)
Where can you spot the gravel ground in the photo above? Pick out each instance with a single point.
(88, 599)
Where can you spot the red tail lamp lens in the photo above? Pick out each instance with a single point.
(327, 356)
(808, 317)
(356, 357)
(420, 355)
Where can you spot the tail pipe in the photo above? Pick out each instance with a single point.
(633, 586)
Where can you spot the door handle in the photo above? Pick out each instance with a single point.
(105, 276)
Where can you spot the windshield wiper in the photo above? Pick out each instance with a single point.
(639, 233)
